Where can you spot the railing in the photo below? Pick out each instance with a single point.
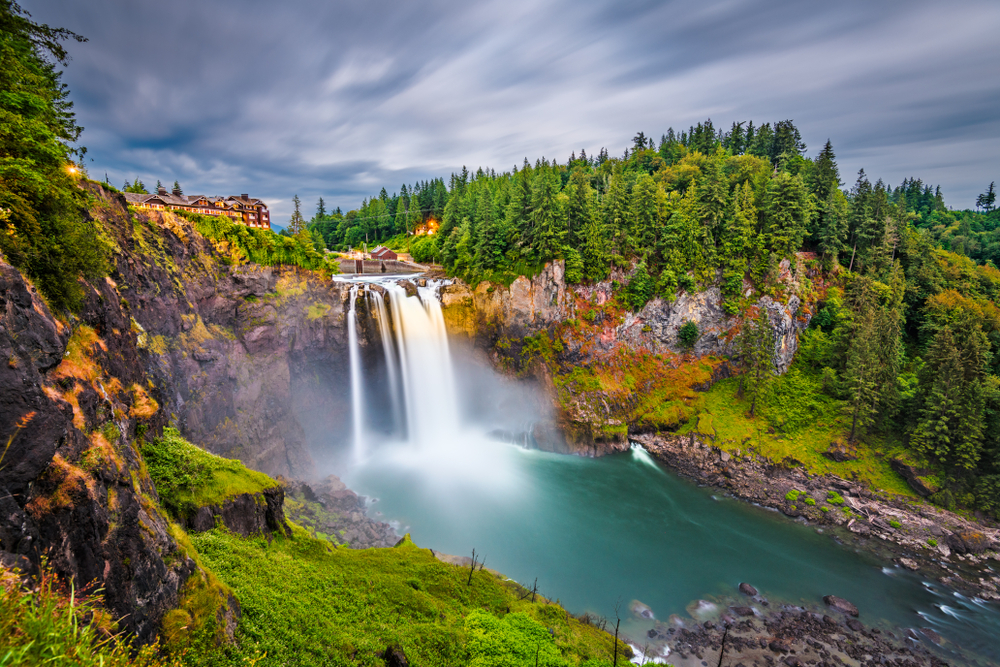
(358, 266)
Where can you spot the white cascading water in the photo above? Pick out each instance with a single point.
(431, 439)
(357, 387)
(385, 329)
(424, 357)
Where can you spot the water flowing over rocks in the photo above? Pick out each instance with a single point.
(938, 543)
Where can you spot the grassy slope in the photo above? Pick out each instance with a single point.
(188, 477)
(305, 602)
(795, 420)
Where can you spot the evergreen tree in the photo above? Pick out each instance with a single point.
(786, 213)
(177, 188)
(755, 343)
(614, 208)
(950, 425)
(644, 214)
(874, 352)
(579, 209)
(321, 209)
(547, 222)
(296, 224)
(491, 241)
(594, 249)
(401, 217)
(741, 245)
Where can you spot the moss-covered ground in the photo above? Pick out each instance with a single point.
(188, 477)
(306, 602)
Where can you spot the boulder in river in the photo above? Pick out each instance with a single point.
(841, 605)
(747, 589)
(640, 610)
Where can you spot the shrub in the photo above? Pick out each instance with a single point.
(895, 524)
(810, 501)
(825, 509)
(834, 498)
(792, 495)
(688, 334)
(932, 542)
(424, 249)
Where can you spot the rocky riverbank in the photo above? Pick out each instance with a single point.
(753, 632)
(917, 535)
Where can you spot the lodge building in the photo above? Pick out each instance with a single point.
(249, 211)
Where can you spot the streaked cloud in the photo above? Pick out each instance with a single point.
(340, 99)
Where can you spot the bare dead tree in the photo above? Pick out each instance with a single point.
(472, 569)
(618, 605)
(534, 590)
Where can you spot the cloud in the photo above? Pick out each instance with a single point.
(340, 99)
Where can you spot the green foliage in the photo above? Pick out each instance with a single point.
(44, 230)
(810, 501)
(792, 495)
(187, 477)
(515, 639)
(424, 249)
(305, 602)
(834, 498)
(54, 624)
(260, 246)
(895, 524)
(688, 334)
(640, 289)
(932, 542)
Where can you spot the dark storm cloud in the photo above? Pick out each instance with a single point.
(342, 98)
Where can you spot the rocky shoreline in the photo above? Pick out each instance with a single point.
(918, 536)
(750, 633)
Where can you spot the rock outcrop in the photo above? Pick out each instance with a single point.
(245, 514)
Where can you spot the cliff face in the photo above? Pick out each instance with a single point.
(74, 400)
(235, 356)
(581, 343)
(241, 354)
(532, 305)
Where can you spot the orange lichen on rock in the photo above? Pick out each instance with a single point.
(143, 406)
(78, 362)
(72, 485)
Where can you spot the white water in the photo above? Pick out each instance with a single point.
(388, 348)
(357, 387)
(431, 439)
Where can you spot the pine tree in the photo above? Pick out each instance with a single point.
(786, 213)
(177, 188)
(321, 209)
(741, 245)
(579, 209)
(296, 224)
(614, 208)
(547, 221)
(491, 241)
(950, 425)
(594, 249)
(644, 214)
(755, 343)
(874, 354)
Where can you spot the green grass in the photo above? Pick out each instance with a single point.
(305, 602)
(795, 423)
(187, 477)
(55, 625)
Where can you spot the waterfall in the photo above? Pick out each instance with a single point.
(357, 386)
(425, 361)
(390, 357)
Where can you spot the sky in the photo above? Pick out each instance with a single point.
(340, 98)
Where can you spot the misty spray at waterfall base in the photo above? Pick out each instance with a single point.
(426, 450)
(423, 405)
